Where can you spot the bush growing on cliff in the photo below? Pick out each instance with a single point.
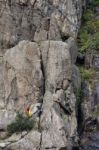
(85, 41)
(88, 43)
(88, 15)
(21, 123)
(94, 3)
(88, 38)
(87, 74)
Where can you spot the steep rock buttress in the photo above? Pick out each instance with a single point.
(37, 56)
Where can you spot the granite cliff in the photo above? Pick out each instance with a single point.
(38, 52)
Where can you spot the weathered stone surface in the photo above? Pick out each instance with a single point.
(57, 100)
(3, 135)
(6, 117)
(3, 144)
(73, 49)
(57, 64)
(76, 79)
(38, 20)
(90, 104)
(91, 142)
(30, 142)
(90, 114)
(39, 73)
(88, 60)
(23, 79)
(39, 76)
(96, 62)
(14, 138)
(2, 105)
(23, 73)
(87, 100)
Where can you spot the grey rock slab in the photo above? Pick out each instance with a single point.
(30, 142)
(57, 63)
(38, 20)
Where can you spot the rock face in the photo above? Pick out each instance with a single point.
(37, 56)
(41, 73)
(38, 20)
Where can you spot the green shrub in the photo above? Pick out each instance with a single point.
(86, 45)
(83, 36)
(21, 123)
(88, 15)
(92, 43)
(92, 26)
(94, 3)
(87, 41)
(88, 37)
(87, 74)
(95, 44)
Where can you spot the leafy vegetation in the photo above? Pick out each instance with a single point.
(88, 15)
(94, 3)
(21, 123)
(87, 74)
(88, 38)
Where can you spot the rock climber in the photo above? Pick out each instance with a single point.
(28, 112)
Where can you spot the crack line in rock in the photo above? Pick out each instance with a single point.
(12, 142)
(64, 109)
